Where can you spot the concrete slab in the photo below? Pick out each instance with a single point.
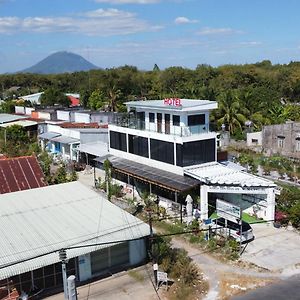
(274, 249)
(119, 286)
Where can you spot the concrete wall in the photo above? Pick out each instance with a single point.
(254, 139)
(283, 139)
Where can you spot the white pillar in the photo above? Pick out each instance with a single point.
(270, 211)
(204, 202)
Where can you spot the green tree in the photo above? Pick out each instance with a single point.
(96, 100)
(54, 96)
(231, 112)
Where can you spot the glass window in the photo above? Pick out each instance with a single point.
(151, 117)
(138, 145)
(176, 120)
(196, 120)
(280, 141)
(193, 153)
(297, 144)
(162, 151)
(118, 140)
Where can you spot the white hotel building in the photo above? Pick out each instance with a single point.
(167, 145)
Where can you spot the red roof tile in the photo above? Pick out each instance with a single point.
(20, 173)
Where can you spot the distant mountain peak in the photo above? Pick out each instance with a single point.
(61, 62)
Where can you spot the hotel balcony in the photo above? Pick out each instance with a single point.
(163, 128)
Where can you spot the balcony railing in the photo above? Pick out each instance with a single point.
(182, 131)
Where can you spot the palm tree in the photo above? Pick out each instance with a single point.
(231, 112)
(113, 94)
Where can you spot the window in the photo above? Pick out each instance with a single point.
(118, 140)
(176, 120)
(151, 117)
(280, 142)
(138, 145)
(162, 151)
(193, 153)
(298, 144)
(196, 120)
(254, 141)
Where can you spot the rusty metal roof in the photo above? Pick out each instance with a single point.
(20, 173)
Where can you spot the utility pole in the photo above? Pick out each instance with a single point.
(63, 258)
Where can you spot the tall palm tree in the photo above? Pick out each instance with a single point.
(230, 112)
(113, 94)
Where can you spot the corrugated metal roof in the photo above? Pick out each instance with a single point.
(48, 135)
(64, 139)
(23, 123)
(20, 173)
(217, 174)
(5, 118)
(39, 221)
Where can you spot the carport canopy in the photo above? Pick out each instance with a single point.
(168, 180)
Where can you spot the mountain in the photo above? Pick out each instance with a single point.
(61, 62)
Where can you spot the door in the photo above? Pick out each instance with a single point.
(167, 123)
(159, 121)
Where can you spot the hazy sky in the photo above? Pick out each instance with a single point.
(110, 33)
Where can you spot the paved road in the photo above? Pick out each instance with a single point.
(288, 289)
(273, 249)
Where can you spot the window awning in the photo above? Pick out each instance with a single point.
(64, 140)
(48, 135)
(168, 180)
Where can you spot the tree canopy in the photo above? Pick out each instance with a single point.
(258, 90)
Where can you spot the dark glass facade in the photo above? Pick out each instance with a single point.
(138, 145)
(176, 120)
(117, 140)
(162, 151)
(193, 153)
(196, 120)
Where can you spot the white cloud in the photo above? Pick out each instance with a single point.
(251, 43)
(217, 31)
(100, 22)
(184, 20)
(127, 1)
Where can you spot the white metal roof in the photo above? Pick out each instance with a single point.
(23, 123)
(5, 118)
(63, 139)
(186, 104)
(97, 149)
(43, 220)
(214, 173)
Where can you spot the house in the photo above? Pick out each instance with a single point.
(31, 127)
(167, 147)
(283, 139)
(99, 237)
(33, 98)
(64, 138)
(20, 173)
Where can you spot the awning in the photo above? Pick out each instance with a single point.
(215, 173)
(48, 135)
(96, 149)
(64, 140)
(168, 180)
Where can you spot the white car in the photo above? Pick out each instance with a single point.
(233, 230)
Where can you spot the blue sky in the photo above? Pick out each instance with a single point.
(111, 33)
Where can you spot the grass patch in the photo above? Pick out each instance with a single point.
(245, 217)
